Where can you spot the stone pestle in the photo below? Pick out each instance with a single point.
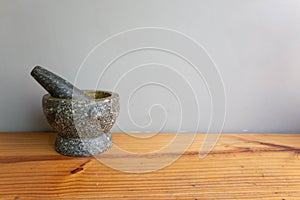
(57, 86)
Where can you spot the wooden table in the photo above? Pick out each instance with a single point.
(241, 166)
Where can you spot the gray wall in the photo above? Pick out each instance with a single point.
(255, 45)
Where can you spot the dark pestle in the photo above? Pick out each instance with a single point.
(57, 86)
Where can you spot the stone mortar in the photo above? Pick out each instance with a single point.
(83, 126)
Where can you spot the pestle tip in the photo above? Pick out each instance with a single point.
(35, 70)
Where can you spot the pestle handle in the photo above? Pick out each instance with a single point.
(57, 86)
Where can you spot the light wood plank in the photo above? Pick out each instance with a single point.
(241, 166)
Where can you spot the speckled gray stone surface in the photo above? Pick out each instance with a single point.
(83, 126)
(83, 146)
(57, 86)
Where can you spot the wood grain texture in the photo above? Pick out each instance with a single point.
(241, 166)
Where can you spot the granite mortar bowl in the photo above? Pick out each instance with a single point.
(83, 126)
